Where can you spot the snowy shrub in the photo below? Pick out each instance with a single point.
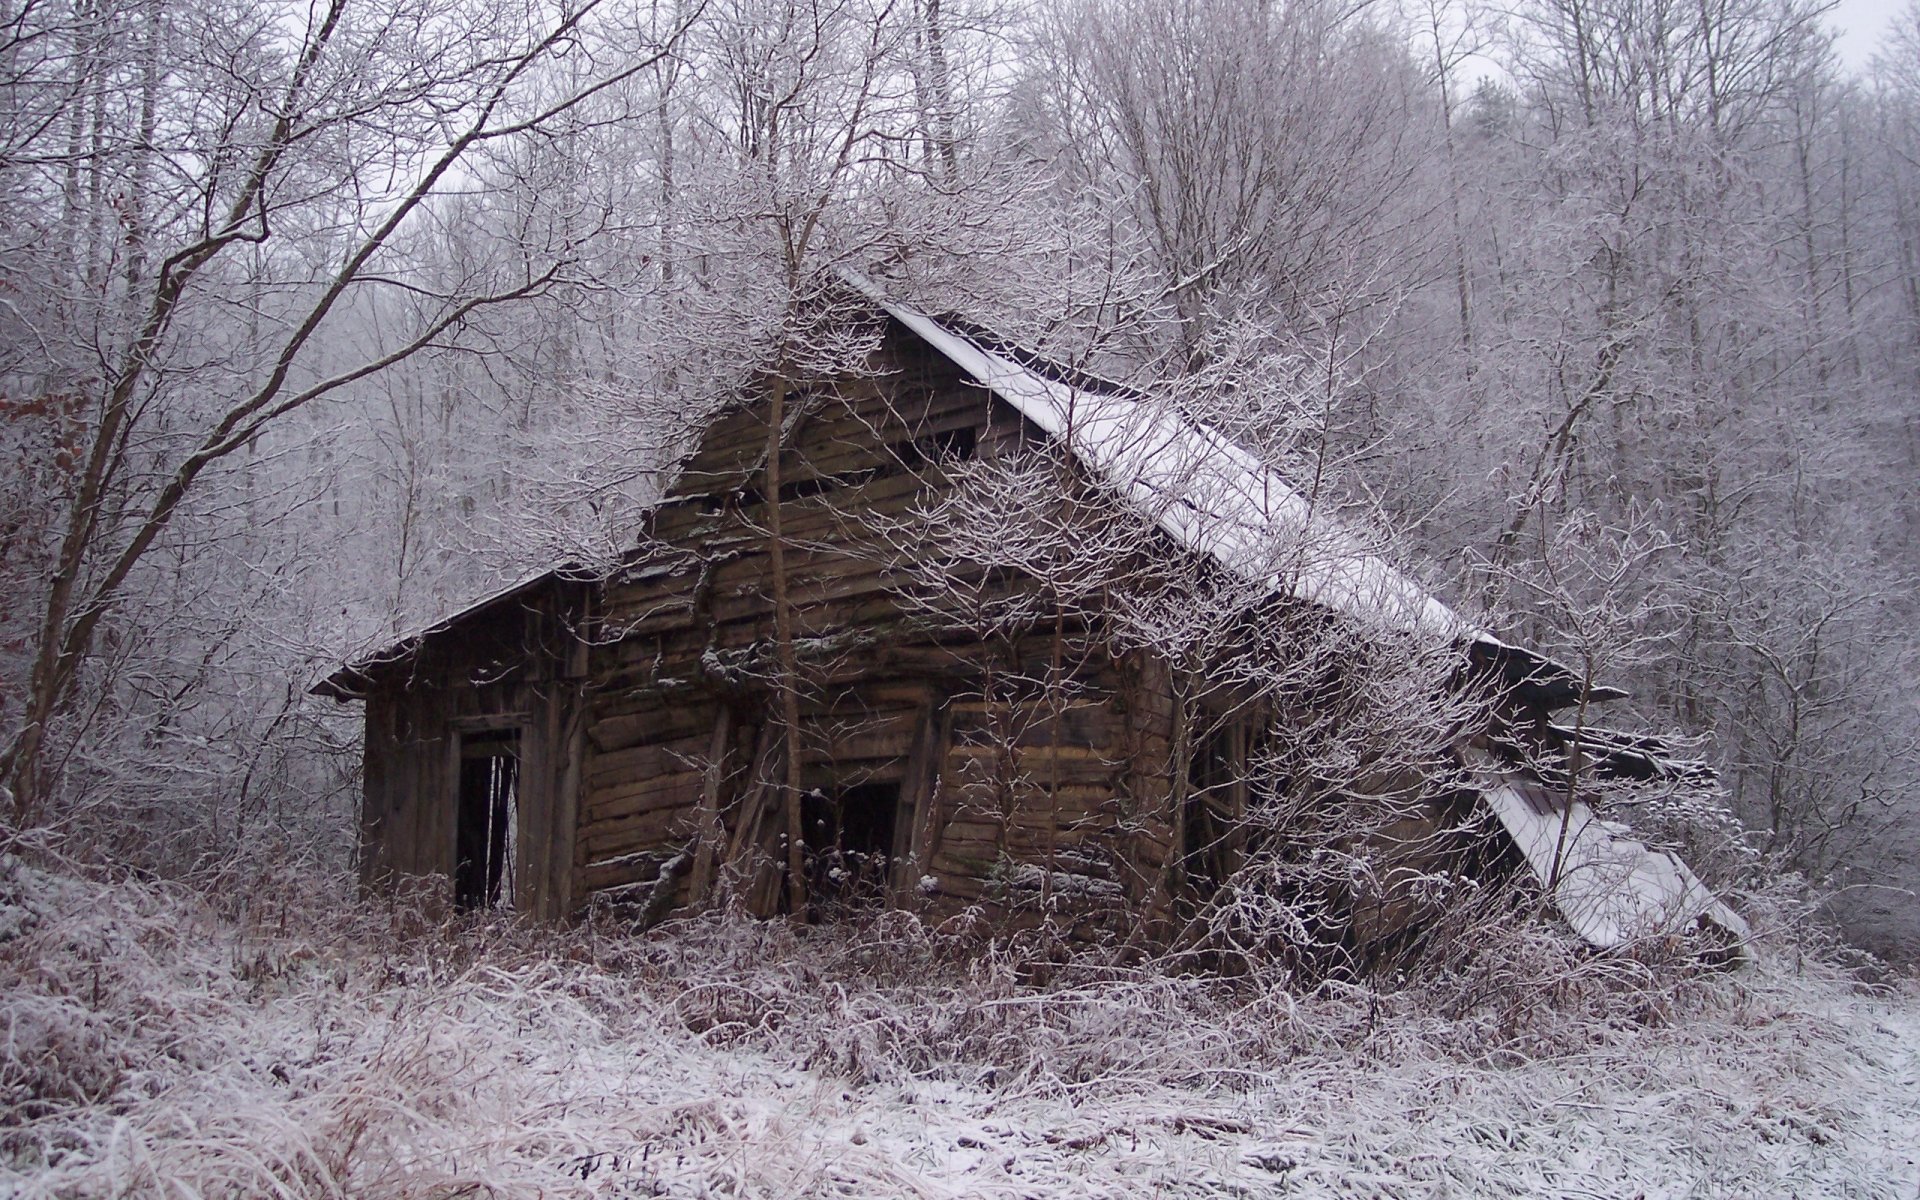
(297, 1042)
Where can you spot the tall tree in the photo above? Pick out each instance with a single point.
(192, 256)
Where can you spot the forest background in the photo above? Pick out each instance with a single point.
(319, 321)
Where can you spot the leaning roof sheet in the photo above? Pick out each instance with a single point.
(1612, 889)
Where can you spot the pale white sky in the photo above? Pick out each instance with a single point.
(1863, 23)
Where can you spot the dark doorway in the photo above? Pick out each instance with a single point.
(487, 821)
(849, 834)
(1211, 823)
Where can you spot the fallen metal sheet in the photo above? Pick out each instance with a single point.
(1612, 889)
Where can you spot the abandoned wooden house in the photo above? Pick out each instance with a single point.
(960, 742)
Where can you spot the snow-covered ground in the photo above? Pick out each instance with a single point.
(154, 1046)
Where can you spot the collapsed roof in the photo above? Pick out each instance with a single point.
(1214, 497)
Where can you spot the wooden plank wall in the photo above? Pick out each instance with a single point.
(1008, 806)
(515, 668)
(1046, 812)
(650, 746)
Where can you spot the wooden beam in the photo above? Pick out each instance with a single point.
(710, 836)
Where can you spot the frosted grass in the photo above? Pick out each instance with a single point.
(155, 1046)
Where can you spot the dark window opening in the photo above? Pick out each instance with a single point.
(934, 449)
(487, 821)
(796, 490)
(948, 446)
(849, 835)
(804, 489)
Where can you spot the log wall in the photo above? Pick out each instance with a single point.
(517, 668)
(1006, 806)
(651, 750)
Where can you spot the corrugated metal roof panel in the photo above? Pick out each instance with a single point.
(1612, 889)
(1210, 494)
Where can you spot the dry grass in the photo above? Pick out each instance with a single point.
(299, 1046)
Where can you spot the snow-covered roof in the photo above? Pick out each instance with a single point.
(349, 681)
(1207, 492)
(1215, 498)
(1211, 495)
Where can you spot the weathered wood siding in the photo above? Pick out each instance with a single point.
(650, 743)
(1005, 804)
(516, 667)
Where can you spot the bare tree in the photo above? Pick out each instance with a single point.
(271, 164)
(1263, 153)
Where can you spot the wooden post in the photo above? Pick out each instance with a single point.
(710, 835)
(750, 863)
(789, 682)
(920, 800)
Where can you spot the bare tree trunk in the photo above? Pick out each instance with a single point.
(1442, 69)
(787, 683)
(940, 84)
